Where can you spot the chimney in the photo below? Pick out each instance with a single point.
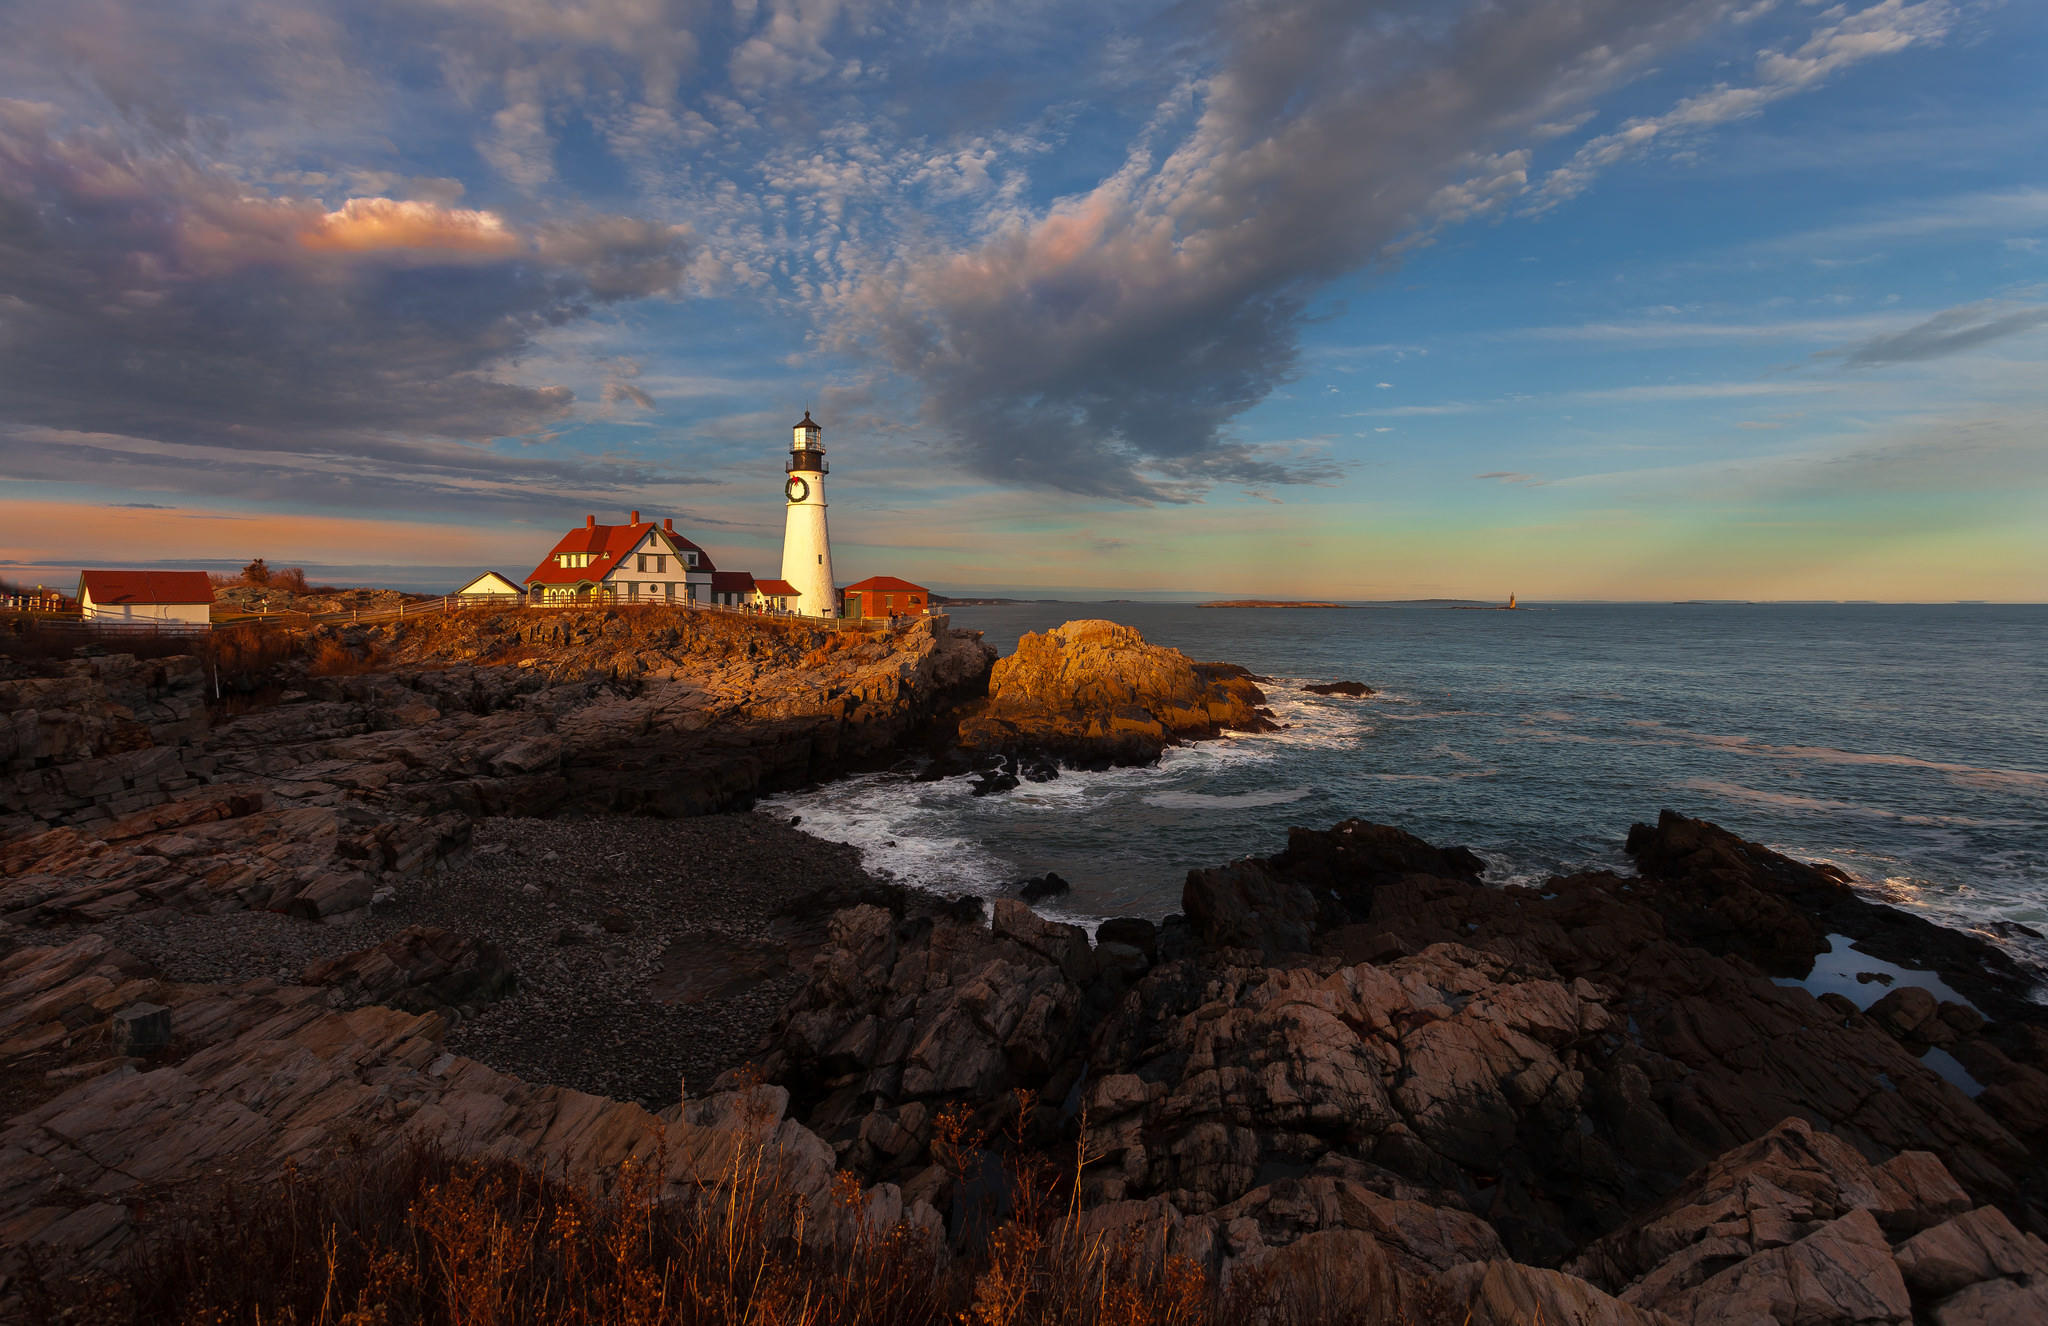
(590, 522)
(668, 525)
(633, 519)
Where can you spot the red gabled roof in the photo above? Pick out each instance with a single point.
(886, 585)
(181, 587)
(609, 543)
(732, 582)
(772, 588)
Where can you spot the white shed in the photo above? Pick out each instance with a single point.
(165, 598)
(490, 587)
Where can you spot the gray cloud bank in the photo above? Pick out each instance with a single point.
(1106, 346)
(149, 295)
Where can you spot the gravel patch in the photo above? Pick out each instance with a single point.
(234, 947)
(650, 953)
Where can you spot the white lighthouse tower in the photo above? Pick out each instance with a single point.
(806, 547)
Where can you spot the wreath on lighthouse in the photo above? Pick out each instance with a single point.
(797, 489)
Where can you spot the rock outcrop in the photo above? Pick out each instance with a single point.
(1094, 694)
(260, 1076)
(1357, 1034)
(420, 969)
(120, 791)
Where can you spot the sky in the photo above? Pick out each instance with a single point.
(1576, 299)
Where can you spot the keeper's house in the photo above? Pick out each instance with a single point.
(886, 596)
(177, 599)
(637, 562)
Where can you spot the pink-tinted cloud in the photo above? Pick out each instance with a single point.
(363, 225)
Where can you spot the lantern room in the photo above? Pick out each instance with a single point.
(806, 452)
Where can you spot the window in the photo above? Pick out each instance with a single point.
(661, 564)
(692, 557)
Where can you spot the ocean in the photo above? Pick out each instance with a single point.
(1906, 744)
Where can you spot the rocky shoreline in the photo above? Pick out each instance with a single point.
(1605, 1075)
(489, 885)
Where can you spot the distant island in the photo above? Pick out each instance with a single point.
(1271, 603)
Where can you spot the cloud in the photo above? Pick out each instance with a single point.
(1843, 39)
(1509, 476)
(149, 294)
(1106, 344)
(363, 225)
(1951, 331)
(620, 393)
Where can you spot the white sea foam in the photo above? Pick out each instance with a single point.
(900, 828)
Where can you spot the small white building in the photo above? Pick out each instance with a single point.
(489, 588)
(177, 599)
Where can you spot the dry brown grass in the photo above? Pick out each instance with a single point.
(424, 1240)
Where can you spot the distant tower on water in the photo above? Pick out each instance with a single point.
(806, 546)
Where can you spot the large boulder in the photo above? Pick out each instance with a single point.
(1094, 694)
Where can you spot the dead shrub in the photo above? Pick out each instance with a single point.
(329, 657)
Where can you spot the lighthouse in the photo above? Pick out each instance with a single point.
(806, 547)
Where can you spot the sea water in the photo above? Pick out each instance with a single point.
(1907, 745)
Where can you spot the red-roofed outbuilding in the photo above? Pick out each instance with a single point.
(732, 589)
(775, 595)
(169, 598)
(887, 596)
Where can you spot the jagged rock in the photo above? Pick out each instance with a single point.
(1094, 693)
(1842, 1272)
(1764, 1195)
(420, 969)
(1354, 689)
(1505, 1293)
(1736, 895)
(1911, 1014)
(1325, 879)
(1048, 885)
(1418, 1237)
(271, 1077)
(1135, 931)
(1975, 1247)
(141, 1029)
